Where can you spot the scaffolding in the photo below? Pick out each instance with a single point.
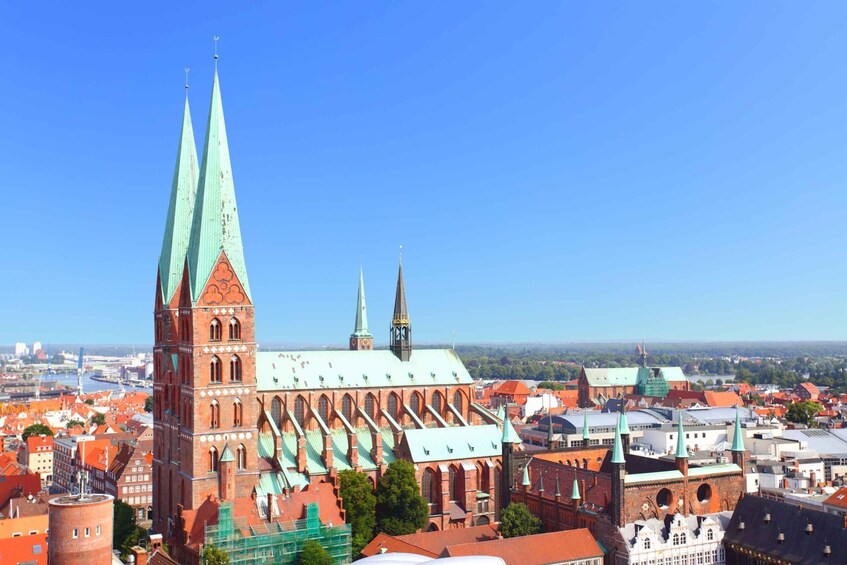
(276, 543)
(654, 385)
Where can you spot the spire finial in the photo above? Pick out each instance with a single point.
(187, 70)
(401, 253)
(216, 38)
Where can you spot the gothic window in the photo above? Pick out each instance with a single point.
(436, 402)
(215, 415)
(369, 405)
(457, 400)
(276, 412)
(452, 482)
(215, 330)
(213, 459)
(347, 408)
(235, 369)
(234, 329)
(300, 410)
(429, 491)
(482, 478)
(416, 403)
(393, 402)
(215, 370)
(241, 457)
(236, 413)
(498, 478)
(323, 409)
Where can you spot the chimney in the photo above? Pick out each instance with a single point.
(155, 541)
(270, 506)
(140, 555)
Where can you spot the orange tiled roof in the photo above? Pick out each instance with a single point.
(838, 498)
(430, 544)
(24, 549)
(540, 549)
(722, 399)
(512, 388)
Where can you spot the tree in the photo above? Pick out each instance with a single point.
(98, 419)
(313, 553)
(138, 536)
(148, 404)
(719, 382)
(516, 520)
(36, 430)
(400, 507)
(89, 401)
(360, 506)
(123, 523)
(802, 412)
(214, 555)
(74, 423)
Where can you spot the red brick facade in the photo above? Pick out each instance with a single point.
(81, 531)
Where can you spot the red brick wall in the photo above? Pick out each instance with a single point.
(95, 549)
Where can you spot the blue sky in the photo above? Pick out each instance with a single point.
(554, 171)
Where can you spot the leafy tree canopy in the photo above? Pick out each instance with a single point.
(98, 419)
(73, 423)
(36, 430)
(400, 507)
(803, 412)
(123, 525)
(516, 520)
(89, 401)
(148, 404)
(214, 555)
(360, 505)
(313, 553)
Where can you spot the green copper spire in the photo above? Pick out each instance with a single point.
(737, 438)
(681, 452)
(575, 495)
(180, 210)
(226, 454)
(509, 433)
(617, 449)
(215, 227)
(525, 482)
(501, 414)
(361, 329)
(585, 433)
(623, 423)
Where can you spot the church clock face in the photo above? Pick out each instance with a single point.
(352, 342)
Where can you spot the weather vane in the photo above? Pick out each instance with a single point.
(216, 37)
(187, 70)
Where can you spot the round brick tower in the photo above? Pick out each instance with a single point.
(81, 530)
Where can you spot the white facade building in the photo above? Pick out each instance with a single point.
(681, 539)
(36, 345)
(21, 350)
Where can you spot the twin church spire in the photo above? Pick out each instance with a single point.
(401, 327)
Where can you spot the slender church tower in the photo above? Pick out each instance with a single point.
(166, 390)
(401, 328)
(361, 339)
(209, 405)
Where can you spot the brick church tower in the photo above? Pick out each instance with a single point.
(205, 371)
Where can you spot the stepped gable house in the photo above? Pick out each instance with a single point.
(287, 419)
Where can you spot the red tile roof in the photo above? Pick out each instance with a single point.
(540, 549)
(24, 549)
(512, 388)
(430, 544)
(723, 399)
(838, 499)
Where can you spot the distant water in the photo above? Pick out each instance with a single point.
(89, 385)
(704, 378)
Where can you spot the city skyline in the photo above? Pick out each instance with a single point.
(537, 198)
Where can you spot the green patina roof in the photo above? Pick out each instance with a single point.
(681, 451)
(315, 370)
(226, 454)
(180, 210)
(650, 477)
(509, 433)
(617, 449)
(585, 433)
(575, 494)
(706, 470)
(525, 482)
(215, 226)
(361, 328)
(737, 438)
(459, 442)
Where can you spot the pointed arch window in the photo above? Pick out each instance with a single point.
(300, 410)
(416, 403)
(370, 404)
(429, 491)
(215, 415)
(213, 459)
(276, 412)
(323, 409)
(454, 475)
(235, 369)
(241, 457)
(234, 329)
(237, 413)
(457, 400)
(436, 402)
(393, 403)
(215, 330)
(347, 408)
(215, 370)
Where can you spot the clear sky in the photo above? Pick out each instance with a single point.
(554, 171)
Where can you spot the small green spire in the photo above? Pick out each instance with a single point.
(215, 226)
(585, 432)
(575, 495)
(180, 210)
(617, 449)
(509, 433)
(501, 413)
(361, 329)
(550, 429)
(226, 454)
(681, 452)
(737, 438)
(623, 423)
(525, 482)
